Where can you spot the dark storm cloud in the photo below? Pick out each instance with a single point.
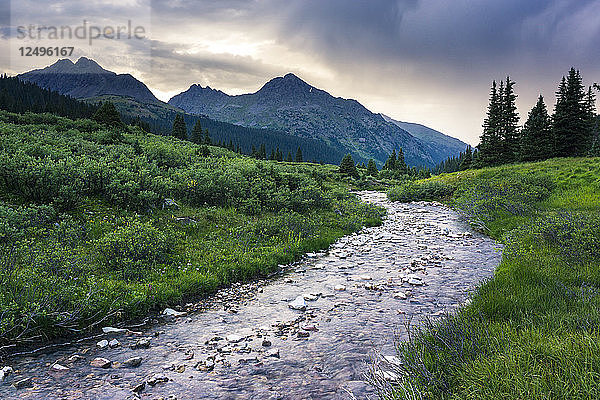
(395, 53)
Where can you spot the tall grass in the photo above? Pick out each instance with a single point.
(533, 331)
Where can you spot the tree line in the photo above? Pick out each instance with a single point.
(571, 131)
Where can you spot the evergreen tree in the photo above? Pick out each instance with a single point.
(536, 138)
(490, 141)
(347, 166)
(207, 140)
(299, 154)
(197, 133)
(571, 127)
(262, 152)
(253, 153)
(273, 155)
(509, 131)
(179, 129)
(467, 159)
(278, 155)
(108, 115)
(400, 164)
(372, 168)
(289, 157)
(390, 163)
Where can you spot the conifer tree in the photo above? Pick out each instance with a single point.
(467, 159)
(490, 140)
(400, 164)
(197, 133)
(253, 153)
(108, 115)
(262, 152)
(278, 154)
(571, 128)
(289, 157)
(372, 169)
(390, 163)
(207, 140)
(299, 154)
(179, 129)
(347, 166)
(273, 155)
(536, 137)
(509, 131)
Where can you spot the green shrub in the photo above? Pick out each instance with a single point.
(135, 249)
(421, 190)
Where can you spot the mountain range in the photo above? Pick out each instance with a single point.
(283, 106)
(86, 79)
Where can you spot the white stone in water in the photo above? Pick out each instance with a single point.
(298, 304)
(274, 353)
(101, 363)
(365, 278)
(310, 297)
(114, 343)
(234, 338)
(102, 344)
(415, 281)
(172, 313)
(400, 295)
(339, 288)
(59, 368)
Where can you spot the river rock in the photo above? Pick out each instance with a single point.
(156, 379)
(310, 297)
(56, 367)
(132, 362)
(234, 338)
(100, 362)
(266, 343)
(298, 304)
(400, 295)
(5, 372)
(140, 344)
(415, 281)
(273, 353)
(114, 343)
(339, 288)
(169, 312)
(303, 334)
(365, 278)
(75, 358)
(138, 388)
(102, 344)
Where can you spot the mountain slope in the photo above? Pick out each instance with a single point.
(437, 143)
(160, 117)
(292, 105)
(85, 79)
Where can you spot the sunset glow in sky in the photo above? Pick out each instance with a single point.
(425, 61)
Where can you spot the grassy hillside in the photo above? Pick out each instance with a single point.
(99, 225)
(533, 331)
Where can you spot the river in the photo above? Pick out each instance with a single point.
(248, 343)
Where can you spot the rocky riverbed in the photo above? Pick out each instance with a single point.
(306, 334)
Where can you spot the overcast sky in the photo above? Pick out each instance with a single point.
(425, 61)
